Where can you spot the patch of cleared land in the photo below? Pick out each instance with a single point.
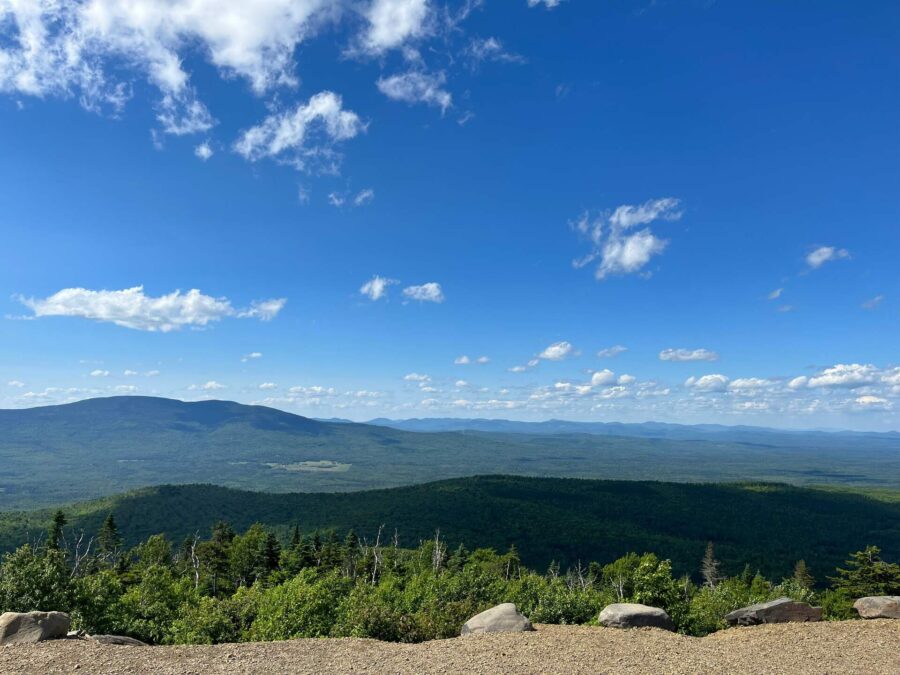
(870, 647)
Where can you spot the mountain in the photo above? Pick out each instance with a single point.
(767, 526)
(58, 454)
(638, 430)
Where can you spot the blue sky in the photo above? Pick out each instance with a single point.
(711, 186)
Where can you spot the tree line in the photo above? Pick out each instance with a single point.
(231, 587)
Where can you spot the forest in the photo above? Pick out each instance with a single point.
(253, 586)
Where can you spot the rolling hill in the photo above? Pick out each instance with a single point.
(768, 526)
(59, 454)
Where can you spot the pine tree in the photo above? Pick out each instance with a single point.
(709, 568)
(868, 574)
(295, 538)
(272, 552)
(55, 532)
(109, 541)
(802, 576)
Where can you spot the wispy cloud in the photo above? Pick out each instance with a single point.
(376, 288)
(873, 303)
(688, 355)
(416, 86)
(610, 352)
(823, 254)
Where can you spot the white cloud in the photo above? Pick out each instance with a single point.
(873, 303)
(749, 383)
(415, 86)
(394, 22)
(556, 352)
(824, 254)
(212, 385)
(688, 355)
(125, 388)
(304, 137)
(430, 292)
(714, 382)
(490, 49)
(252, 356)
(518, 369)
(549, 4)
(364, 197)
(462, 383)
(66, 48)
(376, 288)
(99, 373)
(774, 295)
(336, 199)
(482, 360)
(131, 308)
(130, 373)
(845, 375)
(603, 377)
(268, 385)
(204, 151)
(15, 383)
(798, 382)
(609, 352)
(626, 379)
(870, 402)
(617, 249)
(417, 377)
(151, 373)
(462, 360)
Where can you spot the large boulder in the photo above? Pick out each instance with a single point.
(117, 640)
(633, 615)
(31, 627)
(503, 618)
(782, 610)
(878, 607)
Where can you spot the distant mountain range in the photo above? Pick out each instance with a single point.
(97, 447)
(639, 430)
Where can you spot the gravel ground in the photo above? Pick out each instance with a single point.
(870, 647)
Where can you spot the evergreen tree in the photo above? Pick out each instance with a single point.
(272, 552)
(295, 538)
(109, 541)
(709, 568)
(802, 576)
(55, 532)
(868, 574)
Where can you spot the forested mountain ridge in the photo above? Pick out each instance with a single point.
(59, 454)
(766, 526)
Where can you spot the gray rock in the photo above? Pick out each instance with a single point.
(782, 610)
(878, 607)
(117, 640)
(31, 627)
(633, 615)
(503, 618)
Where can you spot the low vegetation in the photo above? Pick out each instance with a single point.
(252, 586)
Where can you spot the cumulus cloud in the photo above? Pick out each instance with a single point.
(15, 383)
(688, 355)
(130, 373)
(873, 402)
(749, 383)
(252, 356)
(416, 86)
(204, 151)
(268, 385)
(376, 288)
(394, 22)
(556, 352)
(823, 254)
(615, 247)
(131, 308)
(430, 292)
(482, 360)
(845, 375)
(304, 137)
(602, 377)
(462, 360)
(66, 48)
(417, 377)
(609, 352)
(99, 373)
(714, 382)
(211, 385)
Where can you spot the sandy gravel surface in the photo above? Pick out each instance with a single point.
(869, 647)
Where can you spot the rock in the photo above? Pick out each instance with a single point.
(878, 607)
(782, 610)
(117, 640)
(31, 627)
(633, 615)
(503, 618)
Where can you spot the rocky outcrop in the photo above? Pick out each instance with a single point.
(31, 627)
(878, 607)
(782, 610)
(632, 615)
(117, 640)
(505, 618)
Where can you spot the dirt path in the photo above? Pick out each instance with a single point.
(870, 647)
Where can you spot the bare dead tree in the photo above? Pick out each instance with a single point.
(195, 559)
(377, 555)
(81, 552)
(437, 554)
(577, 577)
